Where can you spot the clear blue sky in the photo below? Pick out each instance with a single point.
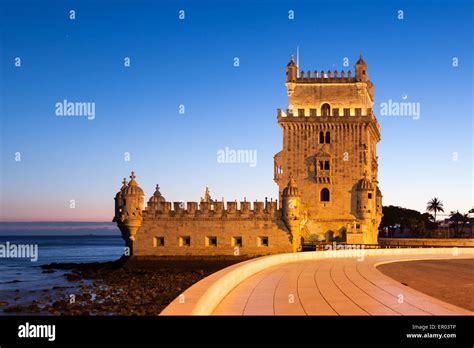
(190, 62)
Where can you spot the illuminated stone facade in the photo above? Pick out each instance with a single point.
(329, 147)
(326, 174)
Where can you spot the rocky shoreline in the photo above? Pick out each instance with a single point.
(124, 287)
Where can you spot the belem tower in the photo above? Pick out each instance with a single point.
(326, 172)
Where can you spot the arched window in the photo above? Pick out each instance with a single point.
(326, 109)
(324, 195)
(321, 166)
(321, 137)
(326, 165)
(328, 138)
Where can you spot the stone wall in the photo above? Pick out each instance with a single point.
(338, 95)
(250, 231)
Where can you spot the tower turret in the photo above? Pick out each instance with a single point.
(129, 204)
(378, 202)
(291, 71)
(361, 69)
(119, 199)
(365, 198)
(155, 200)
(291, 212)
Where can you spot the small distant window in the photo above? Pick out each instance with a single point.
(326, 109)
(358, 226)
(263, 241)
(185, 241)
(321, 165)
(280, 170)
(328, 138)
(312, 112)
(370, 195)
(300, 112)
(347, 112)
(326, 165)
(358, 112)
(158, 242)
(335, 112)
(321, 137)
(237, 242)
(211, 241)
(325, 195)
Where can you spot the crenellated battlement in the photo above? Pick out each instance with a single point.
(329, 86)
(348, 116)
(216, 209)
(324, 77)
(334, 112)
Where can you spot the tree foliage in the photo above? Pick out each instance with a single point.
(417, 222)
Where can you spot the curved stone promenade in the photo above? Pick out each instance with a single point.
(316, 283)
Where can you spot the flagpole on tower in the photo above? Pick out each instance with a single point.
(298, 61)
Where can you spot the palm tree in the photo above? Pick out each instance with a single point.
(435, 205)
(455, 217)
(464, 220)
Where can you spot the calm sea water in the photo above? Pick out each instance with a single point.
(20, 275)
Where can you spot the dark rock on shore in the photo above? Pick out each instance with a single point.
(15, 309)
(72, 276)
(135, 286)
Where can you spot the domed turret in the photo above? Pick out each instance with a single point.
(365, 198)
(291, 211)
(133, 189)
(291, 190)
(361, 61)
(291, 71)
(378, 201)
(129, 204)
(365, 185)
(361, 69)
(119, 199)
(156, 199)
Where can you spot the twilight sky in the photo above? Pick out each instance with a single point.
(190, 62)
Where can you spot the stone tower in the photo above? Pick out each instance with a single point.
(129, 204)
(329, 148)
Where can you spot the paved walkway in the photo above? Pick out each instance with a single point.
(331, 287)
(450, 281)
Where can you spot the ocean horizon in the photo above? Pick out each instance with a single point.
(58, 228)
